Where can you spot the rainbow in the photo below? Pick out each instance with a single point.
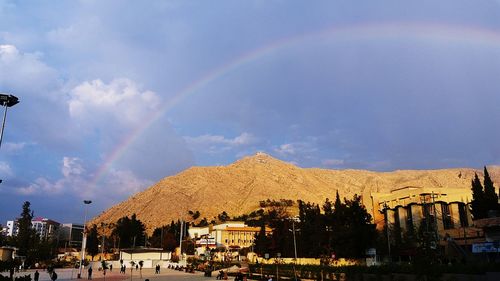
(426, 32)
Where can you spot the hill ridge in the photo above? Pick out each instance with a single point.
(238, 187)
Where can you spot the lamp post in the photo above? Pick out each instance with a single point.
(84, 237)
(6, 101)
(294, 245)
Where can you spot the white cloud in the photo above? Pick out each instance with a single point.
(72, 166)
(25, 72)
(218, 143)
(75, 180)
(13, 147)
(301, 148)
(286, 148)
(121, 101)
(5, 169)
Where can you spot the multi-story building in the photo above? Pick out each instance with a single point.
(12, 228)
(70, 235)
(45, 228)
(231, 234)
(446, 209)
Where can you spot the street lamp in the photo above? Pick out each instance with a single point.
(6, 101)
(84, 237)
(293, 230)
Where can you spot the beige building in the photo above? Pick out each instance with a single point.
(7, 253)
(231, 234)
(447, 208)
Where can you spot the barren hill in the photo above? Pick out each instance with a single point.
(238, 188)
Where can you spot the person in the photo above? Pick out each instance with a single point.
(90, 273)
(111, 267)
(220, 275)
(53, 276)
(36, 275)
(136, 267)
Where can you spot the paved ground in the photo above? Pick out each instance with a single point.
(166, 275)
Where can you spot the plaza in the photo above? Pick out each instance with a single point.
(147, 273)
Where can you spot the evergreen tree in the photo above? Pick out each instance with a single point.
(130, 231)
(352, 231)
(26, 237)
(93, 242)
(478, 199)
(490, 196)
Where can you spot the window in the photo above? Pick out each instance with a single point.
(447, 221)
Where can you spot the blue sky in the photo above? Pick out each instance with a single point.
(116, 95)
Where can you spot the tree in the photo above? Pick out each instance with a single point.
(130, 231)
(223, 216)
(490, 196)
(478, 203)
(352, 230)
(93, 242)
(26, 237)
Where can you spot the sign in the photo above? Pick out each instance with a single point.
(488, 247)
(278, 255)
(204, 241)
(371, 252)
(266, 256)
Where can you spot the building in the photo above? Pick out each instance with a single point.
(45, 228)
(70, 235)
(12, 228)
(231, 234)
(445, 209)
(7, 253)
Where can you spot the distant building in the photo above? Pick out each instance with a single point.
(7, 253)
(46, 228)
(12, 228)
(231, 234)
(70, 235)
(448, 209)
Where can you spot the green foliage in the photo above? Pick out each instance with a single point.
(195, 215)
(171, 236)
(276, 203)
(129, 230)
(484, 198)
(223, 216)
(351, 229)
(26, 237)
(490, 196)
(93, 241)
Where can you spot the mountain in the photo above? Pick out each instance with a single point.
(238, 188)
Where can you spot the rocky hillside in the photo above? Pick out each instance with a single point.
(238, 188)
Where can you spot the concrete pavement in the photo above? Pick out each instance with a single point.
(165, 275)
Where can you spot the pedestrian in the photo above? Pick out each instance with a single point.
(53, 276)
(89, 276)
(136, 267)
(36, 275)
(111, 267)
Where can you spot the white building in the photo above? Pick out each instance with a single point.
(46, 228)
(12, 228)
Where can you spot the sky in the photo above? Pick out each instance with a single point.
(116, 95)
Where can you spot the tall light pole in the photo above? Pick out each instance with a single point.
(6, 101)
(294, 246)
(84, 237)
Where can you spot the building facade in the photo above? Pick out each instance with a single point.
(70, 235)
(46, 228)
(231, 234)
(445, 210)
